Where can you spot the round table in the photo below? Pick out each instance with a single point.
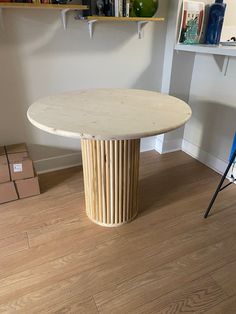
(110, 124)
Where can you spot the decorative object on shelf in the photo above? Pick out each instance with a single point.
(63, 1)
(215, 23)
(191, 22)
(108, 8)
(100, 7)
(143, 8)
(230, 42)
(126, 8)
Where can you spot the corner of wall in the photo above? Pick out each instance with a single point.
(164, 146)
(209, 160)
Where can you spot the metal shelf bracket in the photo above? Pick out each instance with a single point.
(141, 24)
(91, 27)
(222, 63)
(63, 17)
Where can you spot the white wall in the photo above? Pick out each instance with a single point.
(38, 58)
(177, 74)
(229, 28)
(208, 135)
(199, 81)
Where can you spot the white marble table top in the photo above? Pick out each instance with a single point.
(109, 114)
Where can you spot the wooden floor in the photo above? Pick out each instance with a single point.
(169, 260)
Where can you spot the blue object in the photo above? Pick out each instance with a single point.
(215, 22)
(233, 147)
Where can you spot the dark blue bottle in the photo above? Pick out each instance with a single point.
(215, 22)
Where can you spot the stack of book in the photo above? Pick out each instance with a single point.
(35, 1)
(116, 8)
(18, 178)
(121, 8)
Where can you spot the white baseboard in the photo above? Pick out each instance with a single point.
(159, 145)
(148, 143)
(151, 143)
(172, 146)
(209, 160)
(75, 159)
(168, 146)
(58, 162)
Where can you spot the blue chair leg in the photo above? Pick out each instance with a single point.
(219, 188)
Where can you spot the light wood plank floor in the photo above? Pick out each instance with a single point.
(169, 260)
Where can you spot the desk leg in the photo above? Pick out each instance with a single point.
(111, 170)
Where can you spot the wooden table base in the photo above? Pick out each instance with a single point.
(111, 170)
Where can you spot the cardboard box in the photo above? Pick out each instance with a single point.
(21, 166)
(28, 187)
(16, 148)
(7, 192)
(16, 165)
(2, 150)
(4, 168)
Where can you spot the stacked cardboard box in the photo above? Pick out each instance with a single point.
(17, 175)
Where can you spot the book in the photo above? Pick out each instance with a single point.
(127, 8)
(120, 3)
(112, 5)
(107, 8)
(91, 10)
(191, 22)
(123, 8)
(116, 7)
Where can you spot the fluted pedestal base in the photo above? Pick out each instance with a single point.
(111, 171)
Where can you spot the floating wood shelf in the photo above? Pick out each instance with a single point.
(12, 5)
(225, 52)
(208, 49)
(125, 19)
(64, 8)
(141, 21)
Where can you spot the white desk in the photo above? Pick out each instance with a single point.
(110, 123)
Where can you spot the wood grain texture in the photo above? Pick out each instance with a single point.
(109, 114)
(111, 170)
(223, 276)
(226, 307)
(170, 260)
(125, 19)
(194, 297)
(13, 244)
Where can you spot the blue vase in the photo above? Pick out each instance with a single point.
(215, 22)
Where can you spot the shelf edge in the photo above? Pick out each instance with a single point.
(13, 5)
(124, 19)
(207, 49)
